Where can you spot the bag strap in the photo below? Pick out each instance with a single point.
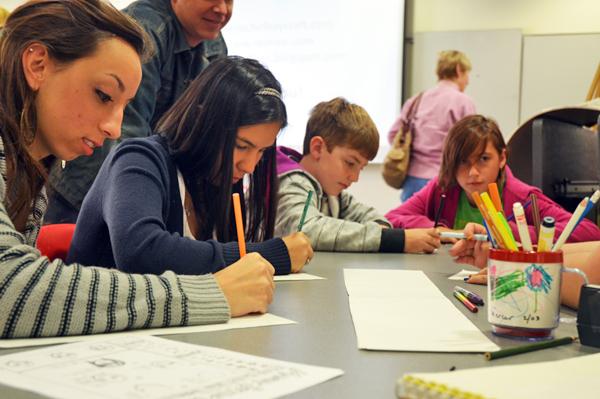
(410, 115)
(414, 107)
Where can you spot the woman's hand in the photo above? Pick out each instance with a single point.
(421, 240)
(469, 251)
(478, 278)
(247, 284)
(299, 249)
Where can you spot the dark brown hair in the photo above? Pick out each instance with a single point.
(341, 123)
(468, 138)
(70, 30)
(201, 130)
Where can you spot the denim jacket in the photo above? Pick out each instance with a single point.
(166, 75)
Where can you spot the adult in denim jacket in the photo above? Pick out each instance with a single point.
(187, 38)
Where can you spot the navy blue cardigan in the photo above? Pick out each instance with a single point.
(132, 219)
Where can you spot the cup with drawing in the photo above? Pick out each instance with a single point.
(524, 292)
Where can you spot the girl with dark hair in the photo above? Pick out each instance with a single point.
(68, 69)
(475, 156)
(164, 202)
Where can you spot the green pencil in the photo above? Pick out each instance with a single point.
(306, 204)
(529, 348)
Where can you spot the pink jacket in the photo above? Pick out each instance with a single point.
(420, 209)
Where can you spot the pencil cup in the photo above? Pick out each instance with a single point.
(524, 293)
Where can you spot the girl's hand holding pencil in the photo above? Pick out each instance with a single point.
(247, 284)
(470, 251)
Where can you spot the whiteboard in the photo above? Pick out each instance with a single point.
(319, 50)
(557, 70)
(495, 78)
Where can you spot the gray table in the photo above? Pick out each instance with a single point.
(324, 335)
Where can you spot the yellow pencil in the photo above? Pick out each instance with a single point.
(488, 220)
(497, 222)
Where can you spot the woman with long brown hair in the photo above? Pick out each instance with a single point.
(68, 69)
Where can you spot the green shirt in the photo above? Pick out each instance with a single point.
(465, 213)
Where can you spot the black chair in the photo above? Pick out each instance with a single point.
(559, 153)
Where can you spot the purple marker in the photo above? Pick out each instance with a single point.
(476, 299)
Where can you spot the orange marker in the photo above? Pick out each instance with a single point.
(239, 224)
(495, 196)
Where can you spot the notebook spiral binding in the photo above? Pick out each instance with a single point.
(417, 388)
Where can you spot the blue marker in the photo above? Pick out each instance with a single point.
(494, 244)
(594, 198)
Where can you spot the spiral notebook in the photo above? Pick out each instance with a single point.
(574, 377)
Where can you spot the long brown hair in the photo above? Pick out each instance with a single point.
(468, 137)
(70, 30)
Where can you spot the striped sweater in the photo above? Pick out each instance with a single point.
(40, 298)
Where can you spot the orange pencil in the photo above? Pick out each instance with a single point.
(495, 196)
(239, 224)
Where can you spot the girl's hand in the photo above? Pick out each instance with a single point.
(447, 240)
(478, 278)
(469, 251)
(247, 284)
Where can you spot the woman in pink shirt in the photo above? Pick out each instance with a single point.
(440, 108)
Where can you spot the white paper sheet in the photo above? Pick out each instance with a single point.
(263, 320)
(143, 367)
(403, 310)
(460, 276)
(569, 378)
(297, 277)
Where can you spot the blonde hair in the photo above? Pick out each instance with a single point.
(448, 60)
(3, 16)
(341, 123)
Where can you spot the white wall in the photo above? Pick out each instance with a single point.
(530, 16)
(551, 81)
(11, 4)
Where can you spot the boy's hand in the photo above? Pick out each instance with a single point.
(469, 251)
(247, 284)
(299, 249)
(421, 240)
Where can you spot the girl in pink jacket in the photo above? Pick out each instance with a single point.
(475, 155)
